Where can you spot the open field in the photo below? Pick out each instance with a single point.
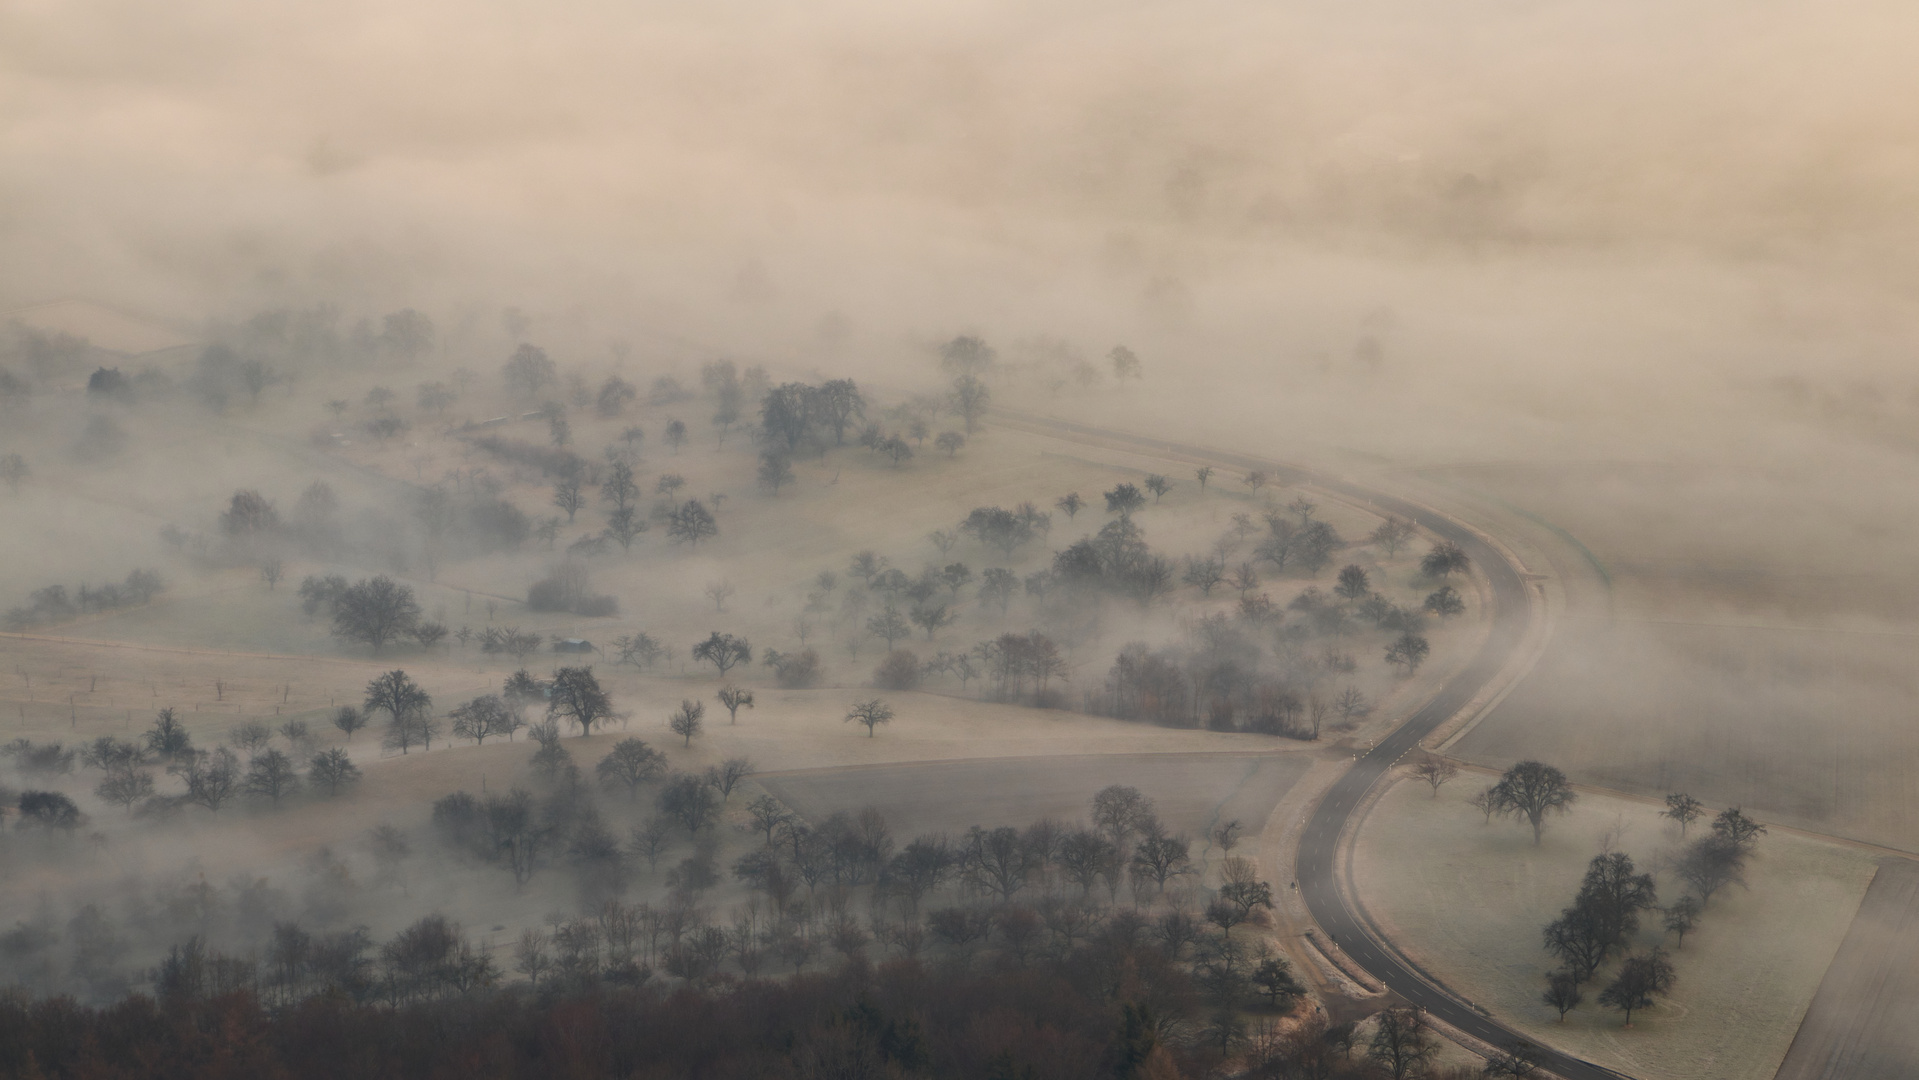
(1467, 901)
(1808, 728)
(1865, 1019)
(1193, 792)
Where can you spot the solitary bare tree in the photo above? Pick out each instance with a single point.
(1435, 770)
(872, 714)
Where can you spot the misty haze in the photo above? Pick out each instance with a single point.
(1060, 542)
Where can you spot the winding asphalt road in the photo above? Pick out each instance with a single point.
(1317, 867)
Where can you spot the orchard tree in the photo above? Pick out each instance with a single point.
(576, 697)
(1070, 503)
(485, 716)
(1435, 770)
(723, 651)
(529, 372)
(332, 771)
(1402, 1044)
(272, 776)
(1640, 980)
(349, 720)
(890, 626)
(950, 442)
(1408, 650)
(734, 699)
(691, 801)
(1445, 558)
(567, 496)
(629, 764)
(1684, 809)
(775, 472)
(1445, 602)
(168, 738)
(871, 713)
(375, 611)
(125, 786)
(691, 522)
(727, 775)
(619, 487)
(969, 399)
(1353, 583)
(1533, 790)
(1562, 993)
(1123, 500)
(1390, 534)
(1203, 474)
(1158, 485)
(688, 721)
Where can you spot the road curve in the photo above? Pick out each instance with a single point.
(1317, 866)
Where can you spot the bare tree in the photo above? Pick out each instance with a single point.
(1390, 534)
(969, 399)
(1204, 572)
(727, 775)
(1640, 979)
(723, 651)
(568, 497)
(1402, 1044)
(871, 713)
(270, 572)
(1071, 503)
(349, 720)
(775, 472)
(950, 442)
(576, 697)
(624, 526)
(375, 611)
(1203, 474)
(718, 592)
(1562, 993)
(332, 770)
(1158, 485)
(691, 522)
(1533, 791)
(688, 721)
(734, 698)
(629, 764)
(1684, 809)
(1254, 480)
(1435, 770)
(890, 626)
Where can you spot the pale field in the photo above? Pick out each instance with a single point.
(1467, 901)
(1808, 728)
(1862, 1021)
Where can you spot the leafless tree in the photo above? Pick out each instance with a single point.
(734, 698)
(688, 721)
(1435, 770)
(871, 713)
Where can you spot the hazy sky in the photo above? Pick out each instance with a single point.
(179, 156)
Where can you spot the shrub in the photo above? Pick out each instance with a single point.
(899, 671)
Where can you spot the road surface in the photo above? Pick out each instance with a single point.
(1317, 866)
